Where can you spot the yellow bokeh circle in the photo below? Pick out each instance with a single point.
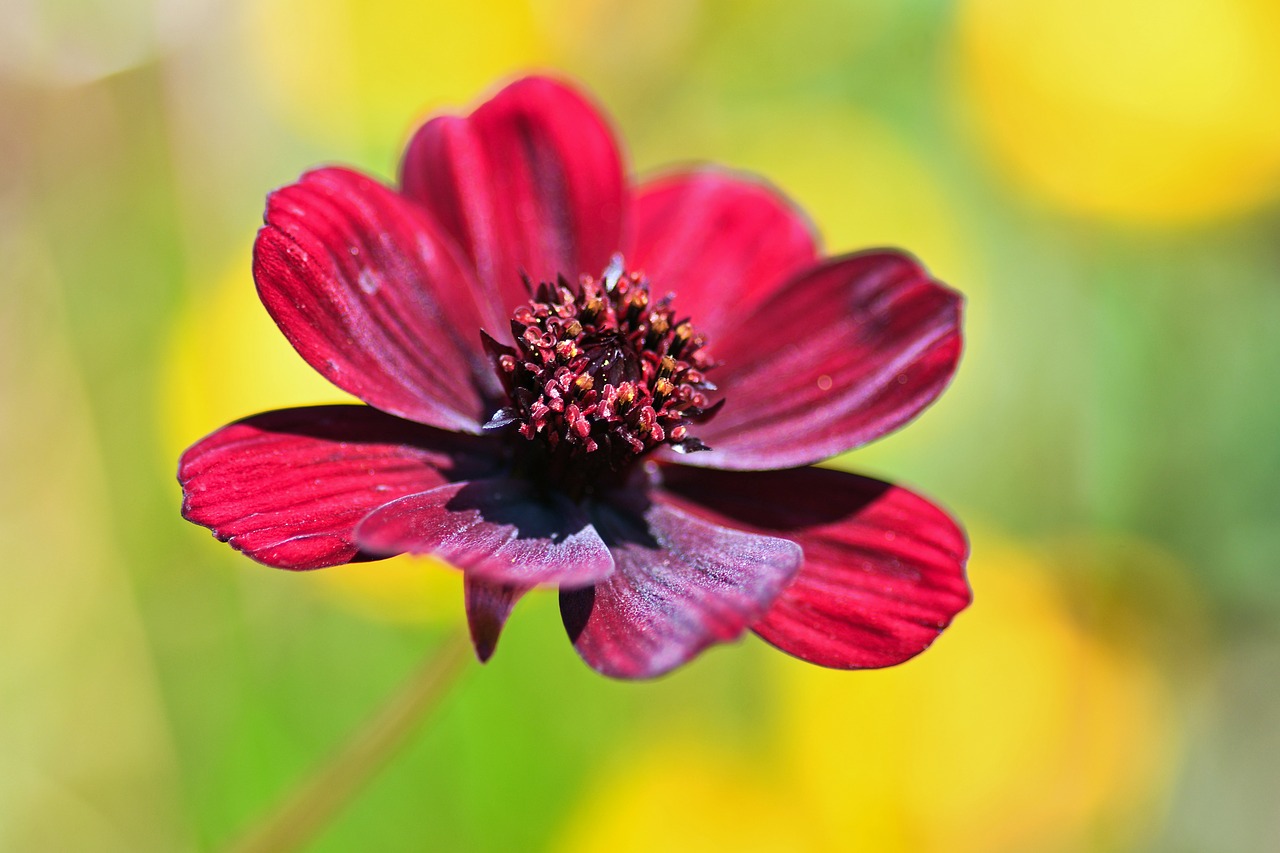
(352, 72)
(686, 796)
(1128, 110)
(1022, 728)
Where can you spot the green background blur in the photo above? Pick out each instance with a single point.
(1099, 178)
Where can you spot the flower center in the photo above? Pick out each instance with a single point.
(600, 375)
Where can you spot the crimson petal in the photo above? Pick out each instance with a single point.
(376, 298)
(531, 182)
(488, 606)
(883, 568)
(496, 529)
(682, 584)
(722, 242)
(845, 353)
(288, 487)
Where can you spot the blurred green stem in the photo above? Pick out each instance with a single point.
(313, 805)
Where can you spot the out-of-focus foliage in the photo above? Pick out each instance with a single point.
(1099, 178)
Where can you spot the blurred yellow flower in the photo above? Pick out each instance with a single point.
(1022, 727)
(228, 360)
(1028, 727)
(1129, 110)
(353, 72)
(686, 796)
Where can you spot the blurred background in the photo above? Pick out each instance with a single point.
(1099, 177)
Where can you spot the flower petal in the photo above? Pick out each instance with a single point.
(845, 353)
(721, 242)
(488, 606)
(497, 529)
(681, 585)
(375, 297)
(883, 568)
(531, 182)
(288, 487)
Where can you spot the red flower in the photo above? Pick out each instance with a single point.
(541, 412)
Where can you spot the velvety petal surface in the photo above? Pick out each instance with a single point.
(488, 606)
(496, 529)
(531, 182)
(721, 242)
(376, 298)
(681, 585)
(842, 354)
(288, 487)
(883, 570)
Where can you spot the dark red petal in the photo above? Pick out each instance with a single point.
(288, 487)
(500, 530)
(531, 182)
(682, 584)
(488, 606)
(845, 353)
(721, 242)
(883, 568)
(372, 294)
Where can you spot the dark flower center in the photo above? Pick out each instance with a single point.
(600, 375)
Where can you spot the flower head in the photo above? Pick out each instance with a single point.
(611, 389)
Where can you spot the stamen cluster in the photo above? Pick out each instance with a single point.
(601, 374)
